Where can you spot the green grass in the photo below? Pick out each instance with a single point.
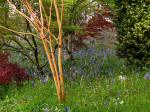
(99, 90)
(95, 95)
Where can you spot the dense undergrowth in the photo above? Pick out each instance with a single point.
(97, 81)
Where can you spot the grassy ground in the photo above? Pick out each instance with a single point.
(97, 81)
(98, 95)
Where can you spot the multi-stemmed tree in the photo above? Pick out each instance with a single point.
(41, 22)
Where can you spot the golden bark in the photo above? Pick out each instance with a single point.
(42, 29)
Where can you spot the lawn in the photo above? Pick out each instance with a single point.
(102, 94)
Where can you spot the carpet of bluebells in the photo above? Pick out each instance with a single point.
(91, 62)
(97, 61)
(96, 81)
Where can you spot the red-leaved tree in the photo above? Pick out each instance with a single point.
(97, 24)
(11, 72)
(93, 29)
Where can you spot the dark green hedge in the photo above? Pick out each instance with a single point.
(133, 23)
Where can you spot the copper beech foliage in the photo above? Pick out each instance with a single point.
(42, 24)
(94, 27)
(97, 24)
(11, 72)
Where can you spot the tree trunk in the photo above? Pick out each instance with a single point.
(69, 48)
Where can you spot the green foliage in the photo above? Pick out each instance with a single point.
(72, 28)
(133, 24)
(99, 95)
(2, 2)
(93, 94)
(3, 91)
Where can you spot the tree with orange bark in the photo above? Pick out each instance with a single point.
(41, 22)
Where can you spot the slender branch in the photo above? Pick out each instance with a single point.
(18, 50)
(23, 33)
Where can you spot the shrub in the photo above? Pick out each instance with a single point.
(133, 31)
(10, 72)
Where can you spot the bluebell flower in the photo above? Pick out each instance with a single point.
(33, 83)
(67, 109)
(46, 110)
(147, 76)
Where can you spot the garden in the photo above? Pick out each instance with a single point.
(74, 56)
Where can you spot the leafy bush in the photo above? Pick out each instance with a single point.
(10, 72)
(133, 24)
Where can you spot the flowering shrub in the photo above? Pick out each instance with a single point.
(10, 72)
